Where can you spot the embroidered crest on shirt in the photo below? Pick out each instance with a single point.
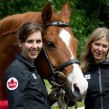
(34, 76)
(12, 83)
(88, 76)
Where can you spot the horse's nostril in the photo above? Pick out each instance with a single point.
(76, 91)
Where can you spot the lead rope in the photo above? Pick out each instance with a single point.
(76, 105)
(61, 102)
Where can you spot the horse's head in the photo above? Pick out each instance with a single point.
(60, 48)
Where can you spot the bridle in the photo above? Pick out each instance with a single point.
(58, 70)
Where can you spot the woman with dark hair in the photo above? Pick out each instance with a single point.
(25, 88)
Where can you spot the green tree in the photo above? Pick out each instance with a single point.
(86, 15)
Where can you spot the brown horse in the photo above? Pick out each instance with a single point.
(59, 52)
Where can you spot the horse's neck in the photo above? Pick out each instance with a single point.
(12, 23)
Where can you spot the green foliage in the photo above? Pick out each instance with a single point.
(97, 11)
(86, 15)
(9, 7)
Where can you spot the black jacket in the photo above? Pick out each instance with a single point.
(97, 96)
(25, 88)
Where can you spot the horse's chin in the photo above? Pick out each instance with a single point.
(73, 98)
(72, 95)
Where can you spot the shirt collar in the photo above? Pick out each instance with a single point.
(24, 60)
(106, 62)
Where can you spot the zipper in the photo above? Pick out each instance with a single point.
(100, 84)
(43, 84)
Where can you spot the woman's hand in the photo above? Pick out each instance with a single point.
(53, 96)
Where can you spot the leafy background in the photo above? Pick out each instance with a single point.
(86, 15)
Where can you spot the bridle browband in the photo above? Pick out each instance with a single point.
(61, 67)
(57, 23)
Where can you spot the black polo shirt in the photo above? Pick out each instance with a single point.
(25, 89)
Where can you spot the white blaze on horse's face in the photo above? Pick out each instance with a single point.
(76, 76)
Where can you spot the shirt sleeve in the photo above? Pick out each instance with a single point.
(15, 83)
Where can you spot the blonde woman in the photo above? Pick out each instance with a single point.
(95, 65)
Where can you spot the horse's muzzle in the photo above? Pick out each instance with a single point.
(72, 96)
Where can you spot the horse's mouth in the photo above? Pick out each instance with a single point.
(72, 96)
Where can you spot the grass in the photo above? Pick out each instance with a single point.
(80, 104)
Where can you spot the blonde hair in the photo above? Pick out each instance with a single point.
(86, 55)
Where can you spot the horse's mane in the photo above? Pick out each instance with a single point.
(11, 24)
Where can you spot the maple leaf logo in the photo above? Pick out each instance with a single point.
(12, 83)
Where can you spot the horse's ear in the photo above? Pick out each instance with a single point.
(47, 12)
(65, 11)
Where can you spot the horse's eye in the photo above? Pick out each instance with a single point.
(51, 44)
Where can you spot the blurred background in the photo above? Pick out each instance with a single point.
(86, 15)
